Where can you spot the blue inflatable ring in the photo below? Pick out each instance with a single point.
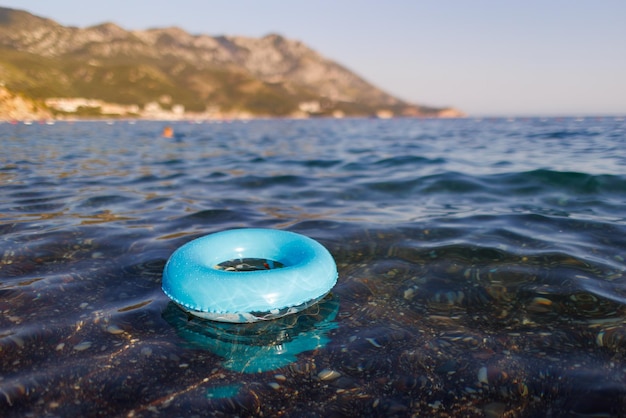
(193, 279)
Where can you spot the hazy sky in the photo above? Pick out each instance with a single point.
(486, 57)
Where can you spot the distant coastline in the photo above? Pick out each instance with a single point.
(52, 71)
(14, 107)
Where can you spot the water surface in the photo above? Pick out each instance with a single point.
(481, 268)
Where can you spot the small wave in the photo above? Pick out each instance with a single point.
(571, 182)
(105, 201)
(411, 160)
(262, 182)
(563, 134)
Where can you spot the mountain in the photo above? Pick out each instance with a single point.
(107, 69)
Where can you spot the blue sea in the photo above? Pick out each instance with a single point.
(481, 265)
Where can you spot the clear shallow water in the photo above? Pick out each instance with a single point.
(481, 268)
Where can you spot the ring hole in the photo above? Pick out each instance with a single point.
(249, 264)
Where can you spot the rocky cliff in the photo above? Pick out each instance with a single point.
(15, 107)
(169, 67)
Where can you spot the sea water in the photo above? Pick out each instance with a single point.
(481, 267)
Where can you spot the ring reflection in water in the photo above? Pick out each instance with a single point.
(259, 346)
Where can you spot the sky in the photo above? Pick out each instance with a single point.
(484, 57)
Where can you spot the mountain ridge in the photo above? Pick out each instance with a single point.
(205, 75)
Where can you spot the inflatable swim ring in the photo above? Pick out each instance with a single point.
(249, 275)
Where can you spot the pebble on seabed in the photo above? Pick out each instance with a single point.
(82, 346)
(540, 305)
(482, 375)
(114, 329)
(328, 374)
